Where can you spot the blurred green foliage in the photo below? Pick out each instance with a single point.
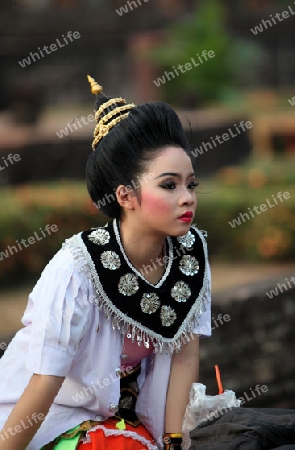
(269, 236)
(234, 66)
(28, 208)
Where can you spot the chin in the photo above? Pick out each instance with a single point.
(182, 229)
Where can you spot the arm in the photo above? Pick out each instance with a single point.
(29, 412)
(184, 372)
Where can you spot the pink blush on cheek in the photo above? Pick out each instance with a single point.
(155, 204)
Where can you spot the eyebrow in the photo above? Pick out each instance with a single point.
(173, 174)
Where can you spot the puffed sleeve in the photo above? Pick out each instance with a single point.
(57, 315)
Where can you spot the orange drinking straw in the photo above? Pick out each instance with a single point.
(218, 379)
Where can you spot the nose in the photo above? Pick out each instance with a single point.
(188, 197)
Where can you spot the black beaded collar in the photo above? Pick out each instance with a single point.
(164, 313)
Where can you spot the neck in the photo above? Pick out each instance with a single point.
(140, 246)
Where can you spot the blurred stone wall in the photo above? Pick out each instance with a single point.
(255, 346)
(53, 159)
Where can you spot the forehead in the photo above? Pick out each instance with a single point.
(171, 159)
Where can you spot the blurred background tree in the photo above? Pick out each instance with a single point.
(221, 78)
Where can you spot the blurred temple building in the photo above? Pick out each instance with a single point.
(42, 92)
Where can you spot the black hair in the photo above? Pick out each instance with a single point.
(122, 155)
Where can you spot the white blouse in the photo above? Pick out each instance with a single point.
(65, 334)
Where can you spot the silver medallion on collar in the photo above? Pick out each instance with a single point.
(128, 284)
(110, 260)
(99, 236)
(189, 265)
(187, 240)
(149, 303)
(180, 291)
(168, 316)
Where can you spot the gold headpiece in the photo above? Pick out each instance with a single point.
(104, 123)
(96, 89)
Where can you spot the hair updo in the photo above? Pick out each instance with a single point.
(123, 154)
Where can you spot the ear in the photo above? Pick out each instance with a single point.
(126, 197)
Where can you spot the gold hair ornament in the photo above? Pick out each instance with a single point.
(104, 124)
(96, 89)
(101, 130)
(106, 105)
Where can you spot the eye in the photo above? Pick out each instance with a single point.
(168, 185)
(193, 185)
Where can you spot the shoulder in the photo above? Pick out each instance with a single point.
(64, 284)
(85, 248)
(68, 262)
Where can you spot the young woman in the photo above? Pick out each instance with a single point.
(110, 346)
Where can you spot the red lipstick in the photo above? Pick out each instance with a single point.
(187, 216)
